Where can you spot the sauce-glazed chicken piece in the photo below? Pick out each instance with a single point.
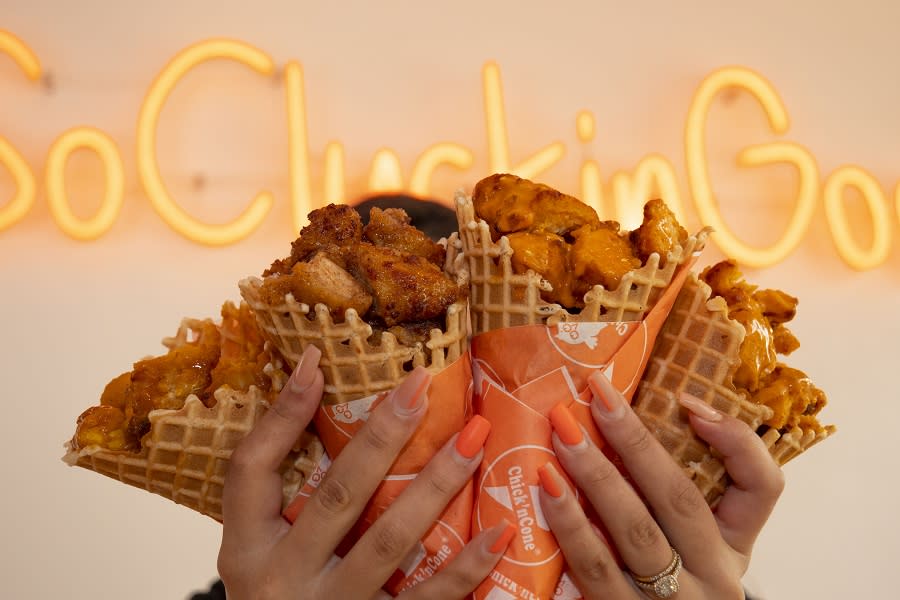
(660, 232)
(547, 254)
(601, 256)
(509, 203)
(763, 313)
(229, 354)
(563, 240)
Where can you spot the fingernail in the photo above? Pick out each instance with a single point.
(699, 408)
(550, 480)
(305, 373)
(502, 542)
(611, 403)
(565, 425)
(472, 437)
(411, 393)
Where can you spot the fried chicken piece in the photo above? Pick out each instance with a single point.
(231, 354)
(102, 426)
(601, 256)
(391, 227)
(166, 381)
(405, 287)
(792, 397)
(547, 254)
(320, 280)
(242, 356)
(332, 230)
(509, 203)
(407, 334)
(660, 232)
(757, 351)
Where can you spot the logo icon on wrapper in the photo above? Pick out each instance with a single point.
(509, 489)
(592, 345)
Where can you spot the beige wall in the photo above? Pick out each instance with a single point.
(405, 76)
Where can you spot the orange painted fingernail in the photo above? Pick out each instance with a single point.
(502, 542)
(473, 436)
(565, 425)
(550, 480)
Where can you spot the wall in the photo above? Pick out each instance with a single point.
(406, 76)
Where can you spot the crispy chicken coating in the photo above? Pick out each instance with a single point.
(320, 280)
(509, 203)
(660, 232)
(391, 227)
(763, 313)
(389, 272)
(331, 230)
(404, 287)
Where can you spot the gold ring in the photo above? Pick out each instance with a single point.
(665, 583)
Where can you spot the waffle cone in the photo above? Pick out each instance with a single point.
(697, 352)
(501, 298)
(185, 455)
(354, 364)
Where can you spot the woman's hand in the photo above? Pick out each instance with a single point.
(263, 556)
(714, 547)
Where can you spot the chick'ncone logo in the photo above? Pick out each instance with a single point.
(509, 489)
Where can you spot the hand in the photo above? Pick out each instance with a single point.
(715, 547)
(263, 556)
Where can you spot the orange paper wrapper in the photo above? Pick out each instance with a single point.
(449, 406)
(520, 374)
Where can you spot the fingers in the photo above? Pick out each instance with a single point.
(635, 534)
(677, 504)
(351, 480)
(389, 540)
(468, 569)
(757, 481)
(591, 563)
(252, 496)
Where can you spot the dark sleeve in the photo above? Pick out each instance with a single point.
(216, 592)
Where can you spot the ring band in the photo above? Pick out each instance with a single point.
(665, 583)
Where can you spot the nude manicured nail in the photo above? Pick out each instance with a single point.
(410, 395)
(699, 408)
(565, 425)
(473, 436)
(550, 480)
(305, 373)
(502, 542)
(611, 403)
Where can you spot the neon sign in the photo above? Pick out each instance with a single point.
(653, 175)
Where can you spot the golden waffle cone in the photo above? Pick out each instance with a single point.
(501, 298)
(354, 365)
(697, 352)
(185, 455)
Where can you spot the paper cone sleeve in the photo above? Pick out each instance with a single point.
(359, 374)
(529, 355)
